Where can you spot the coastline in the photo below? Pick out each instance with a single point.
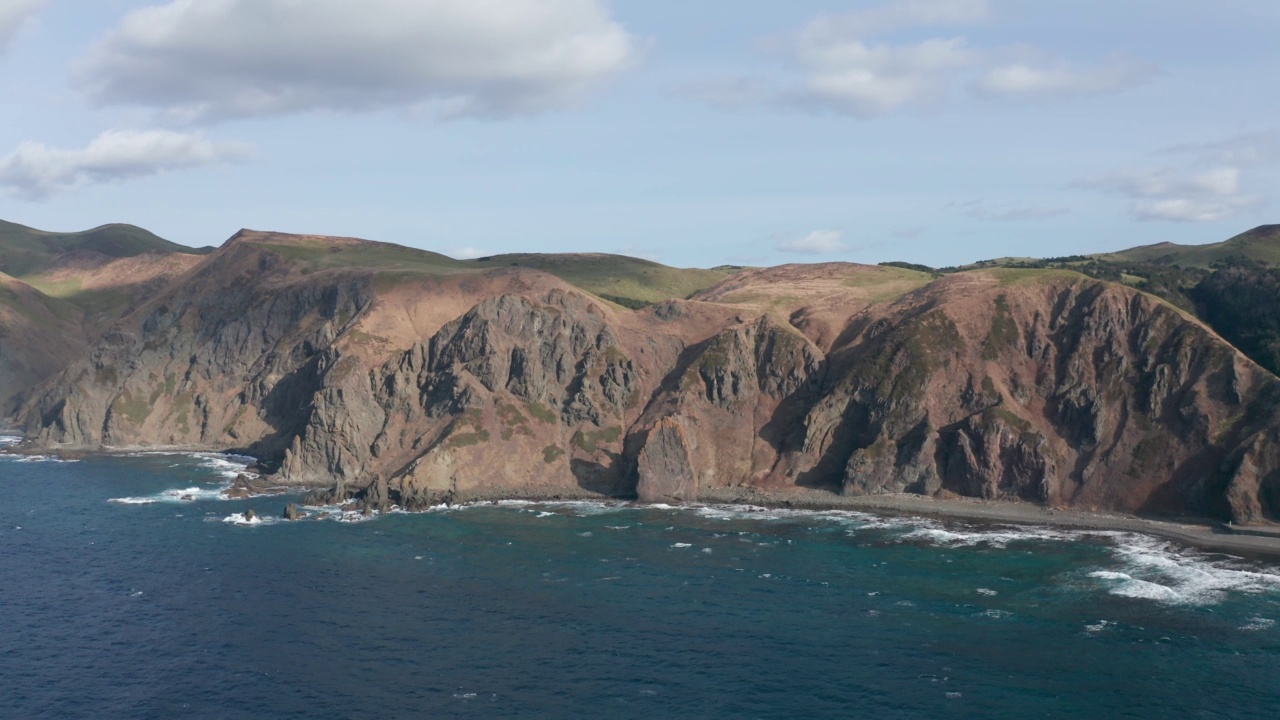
(1201, 533)
(1261, 542)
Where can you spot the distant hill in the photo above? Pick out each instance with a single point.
(627, 281)
(27, 251)
(1261, 244)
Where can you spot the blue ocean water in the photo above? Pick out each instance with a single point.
(128, 589)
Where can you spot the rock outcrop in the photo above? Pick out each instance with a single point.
(664, 471)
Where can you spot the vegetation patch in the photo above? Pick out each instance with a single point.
(513, 422)
(551, 453)
(541, 413)
(590, 442)
(467, 439)
(135, 409)
(1004, 331)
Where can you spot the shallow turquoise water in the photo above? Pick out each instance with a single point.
(163, 609)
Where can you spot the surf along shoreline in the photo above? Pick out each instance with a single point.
(1257, 542)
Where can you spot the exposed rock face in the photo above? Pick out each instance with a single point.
(1049, 388)
(665, 474)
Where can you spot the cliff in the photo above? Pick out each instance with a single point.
(392, 377)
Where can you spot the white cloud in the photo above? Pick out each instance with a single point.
(872, 62)
(13, 15)
(846, 72)
(202, 60)
(1026, 80)
(468, 253)
(872, 80)
(1169, 194)
(36, 171)
(818, 242)
(1210, 183)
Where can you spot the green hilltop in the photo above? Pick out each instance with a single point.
(27, 251)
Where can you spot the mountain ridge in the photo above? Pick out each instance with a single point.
(385, 375)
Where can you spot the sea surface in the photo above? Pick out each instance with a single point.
(130, 589)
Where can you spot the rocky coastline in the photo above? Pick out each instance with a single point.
(833, 385)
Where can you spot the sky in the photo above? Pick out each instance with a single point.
(692, 133)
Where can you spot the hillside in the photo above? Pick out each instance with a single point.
(1261, 245)
(27, 251)
(394, 376)
(387, 375)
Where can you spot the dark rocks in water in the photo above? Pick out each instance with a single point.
(250, 515)
(291, 512)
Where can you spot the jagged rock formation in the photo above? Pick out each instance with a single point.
(407, 385)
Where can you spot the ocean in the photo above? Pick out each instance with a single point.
(129, 588)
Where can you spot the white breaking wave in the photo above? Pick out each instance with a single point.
(182, 495)
(228, 467)
(1255, 624)
(1153, 569)
(240, 519)
(1000, 537)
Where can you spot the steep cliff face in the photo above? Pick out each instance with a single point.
(1069, 392)
(230, 355)
(518, 392)
(413, 386)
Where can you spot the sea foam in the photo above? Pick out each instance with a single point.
(1153, 569)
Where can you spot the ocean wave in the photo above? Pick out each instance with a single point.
(1255, 624)
(954, 536)
(227, 465)
(256, 520)
(17, 458)
(1153, 569)
(177, 495)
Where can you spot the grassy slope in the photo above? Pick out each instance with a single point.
(615, 277)
(1261, 244)
(626, 280)
(26, 251)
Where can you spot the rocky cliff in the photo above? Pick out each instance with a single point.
(349, 368)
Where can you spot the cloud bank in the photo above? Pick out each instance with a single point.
(208, 60)
(1208, 185)
(859, 64)
(36, 171)
(13, 15)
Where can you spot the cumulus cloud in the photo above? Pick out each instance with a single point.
(1176, 195)
(1209, 184)
(205, 60)
(818, 242)
(979, 210)
(13, 15)
(865, 80)
(846, 71)
(1025, 80)
(872, 62)
(36, 171)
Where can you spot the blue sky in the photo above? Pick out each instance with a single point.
(693, 133)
